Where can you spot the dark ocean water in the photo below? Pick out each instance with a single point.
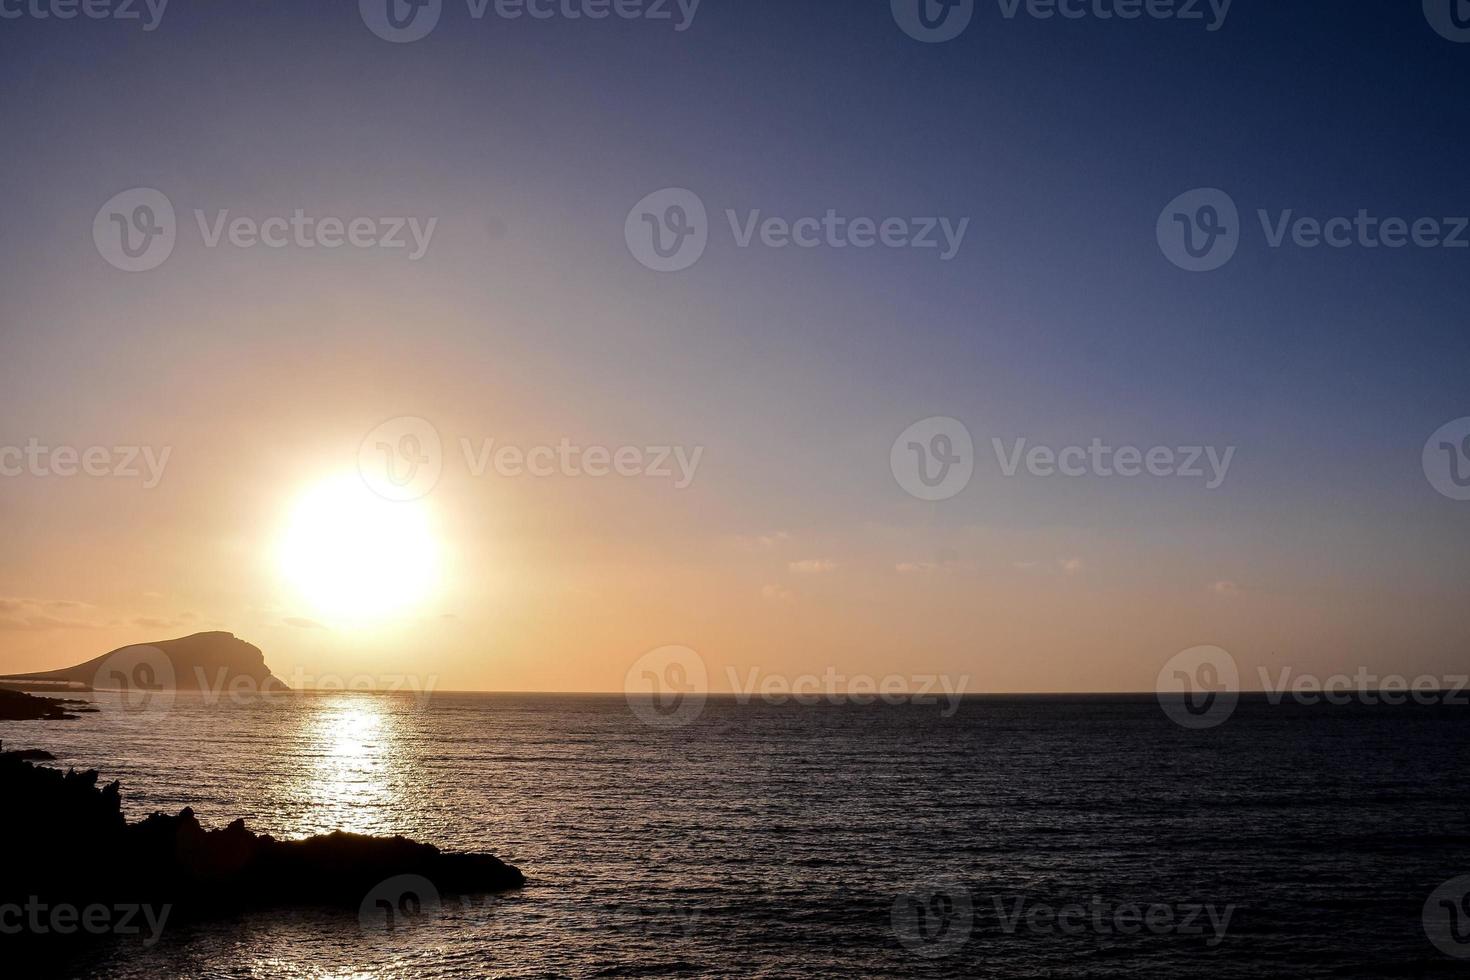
(832, 840)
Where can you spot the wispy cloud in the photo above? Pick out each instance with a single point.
(19, 613)
(301, 622)
(812, 566)
(182, 621)
(761, 542)
(15, 603)
(945, 560)
(1062, 566)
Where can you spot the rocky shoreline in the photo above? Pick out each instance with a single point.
(19, 706)
(77, 872)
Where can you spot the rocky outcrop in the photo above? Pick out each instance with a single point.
(67, 843)
(27, 755)
(233, 868)
(202, 662)
(19, 706)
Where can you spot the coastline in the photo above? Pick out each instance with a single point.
(76, 863)
(20, 706)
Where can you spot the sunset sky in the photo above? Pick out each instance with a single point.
(528, 321)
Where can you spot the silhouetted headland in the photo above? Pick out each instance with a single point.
(67, 843)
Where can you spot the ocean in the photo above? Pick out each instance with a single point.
(1017, 837)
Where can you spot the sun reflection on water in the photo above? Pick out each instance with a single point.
(349, 742)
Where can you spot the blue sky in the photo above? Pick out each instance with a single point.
(1059, 320)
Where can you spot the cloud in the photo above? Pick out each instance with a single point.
(19, 613)
(181, 621)
(1225, 587)
(945, 560)
(761, 542)
(38, 623)
(301, 622)
(812, 566)
(776, 593)
(18, 603)
(1064, 566)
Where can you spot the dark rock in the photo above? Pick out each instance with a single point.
(67, 843)
(19, 706)
(27, 755)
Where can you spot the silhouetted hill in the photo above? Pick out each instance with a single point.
(203, 661)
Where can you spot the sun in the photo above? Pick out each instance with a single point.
(353, 556)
